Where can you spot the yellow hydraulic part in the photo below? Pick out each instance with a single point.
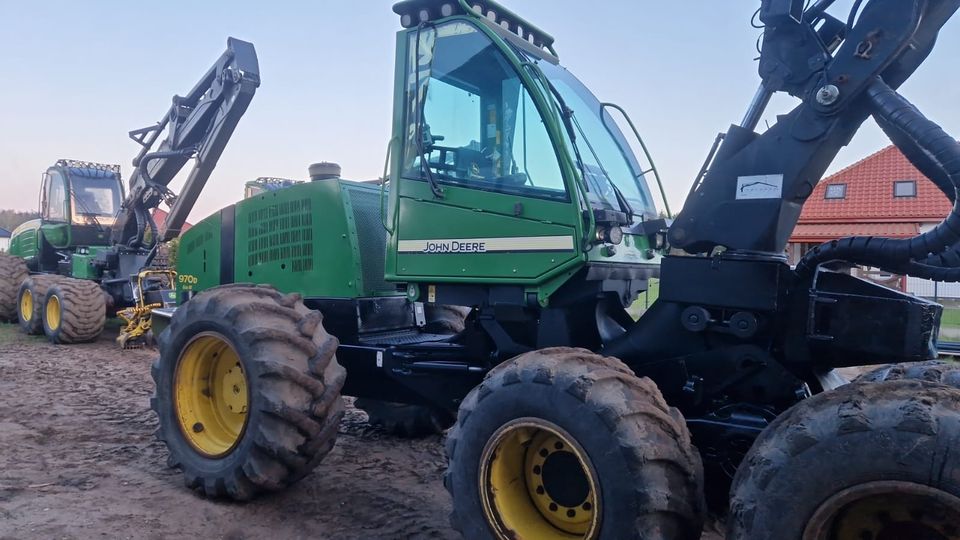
(210, 393)
(536, 482)
(137, 318)
(136, 324)
(26, 305)
(54, 313)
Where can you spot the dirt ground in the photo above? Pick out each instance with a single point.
(78, 460)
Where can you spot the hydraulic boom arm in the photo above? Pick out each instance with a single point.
(197, 127)
(750, 199)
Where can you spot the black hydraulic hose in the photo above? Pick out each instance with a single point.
(153, 229)
(137, 239)
(926, 164)
(144, 220)
(930, 255)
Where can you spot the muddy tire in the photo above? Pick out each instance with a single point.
(443, 319)
(247, 391)
(30, 299)
(868, 460)
(74, 311)
(936, 371)
(405, 420)
(566, 440)
(13, 270)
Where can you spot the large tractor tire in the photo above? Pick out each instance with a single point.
(405, 420)
(872, 461)
(247, 391)
(13, 270)
(565, 444)
(74, 311)
(936, 371)
(30, 299)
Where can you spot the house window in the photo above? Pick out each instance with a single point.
(836, 191)
(905, 188)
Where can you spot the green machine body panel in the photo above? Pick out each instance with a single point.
(321, 239)
(82, 263)
(24, 241)
(57, 234)
(473, 237)
(198, 256)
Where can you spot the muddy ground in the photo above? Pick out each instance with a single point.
(78, 460)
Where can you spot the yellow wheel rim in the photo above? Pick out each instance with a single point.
(536, 482)
(210, 392)
(54, 314)
(887, 510)
(26, 306)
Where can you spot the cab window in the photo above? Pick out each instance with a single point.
(55, 203)
(478, 126)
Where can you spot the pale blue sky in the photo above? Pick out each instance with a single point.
(75, 77)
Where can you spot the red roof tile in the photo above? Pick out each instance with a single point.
(869, 194)
(160, 218)
(824, 232)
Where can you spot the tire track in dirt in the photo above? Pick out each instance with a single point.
(78, 460)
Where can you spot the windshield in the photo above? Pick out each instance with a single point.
(95, 197)
(606, 155)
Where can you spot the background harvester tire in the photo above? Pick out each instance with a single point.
(13, 270)
(410, 420)
(33, 291)
(405, 420)
(74, 311)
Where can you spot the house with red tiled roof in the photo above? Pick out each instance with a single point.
(881, 195)
(160, 218)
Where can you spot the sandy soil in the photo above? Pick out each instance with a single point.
(78, 460)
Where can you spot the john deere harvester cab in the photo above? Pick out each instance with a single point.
(487, 276)
(495, 137)
(79, 202)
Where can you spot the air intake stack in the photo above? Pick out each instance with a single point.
(324, 171)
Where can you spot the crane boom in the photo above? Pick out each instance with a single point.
(197, 127)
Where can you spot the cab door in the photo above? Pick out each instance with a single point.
(481, 194)
(55, 209)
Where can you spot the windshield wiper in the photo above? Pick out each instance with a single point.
(86, 212)
(566, 114)
(621, 199)
(421, 119)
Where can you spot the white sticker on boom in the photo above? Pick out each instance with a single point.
(768, 186)
(379, 358)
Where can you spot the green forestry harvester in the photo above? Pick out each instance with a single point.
(93, 237)
(484, 285)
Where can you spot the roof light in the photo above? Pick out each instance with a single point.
(414, 12)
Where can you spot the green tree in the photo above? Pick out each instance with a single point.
(11, 219)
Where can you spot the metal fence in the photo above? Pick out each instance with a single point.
(932, 289)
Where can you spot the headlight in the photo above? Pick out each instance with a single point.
(610, 235)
